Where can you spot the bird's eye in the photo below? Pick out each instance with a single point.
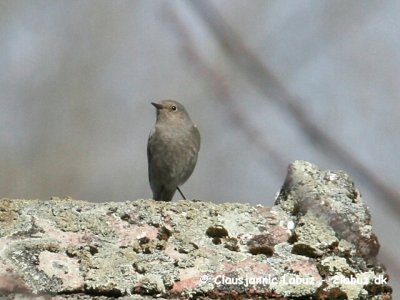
(173, 107)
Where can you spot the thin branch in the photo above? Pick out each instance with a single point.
(222, 87)
(264, 79)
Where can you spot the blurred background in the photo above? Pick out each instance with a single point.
(267, 82)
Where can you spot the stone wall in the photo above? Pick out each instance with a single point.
(316, 241)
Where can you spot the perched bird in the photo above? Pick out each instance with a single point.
(172, 149)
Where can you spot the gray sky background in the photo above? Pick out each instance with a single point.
(77, 79)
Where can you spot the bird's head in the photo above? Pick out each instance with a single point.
(172, 112)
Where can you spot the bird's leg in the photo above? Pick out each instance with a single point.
(180, 192)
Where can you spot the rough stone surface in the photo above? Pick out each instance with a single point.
(316, 242)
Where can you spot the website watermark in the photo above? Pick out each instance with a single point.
(289, 279)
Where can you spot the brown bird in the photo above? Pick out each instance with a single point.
(172, 149)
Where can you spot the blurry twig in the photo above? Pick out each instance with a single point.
(221, 86)
(264, 79)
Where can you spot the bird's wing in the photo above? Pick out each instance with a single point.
(196, 134)
(149, 142)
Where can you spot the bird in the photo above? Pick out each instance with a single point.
(172, 149)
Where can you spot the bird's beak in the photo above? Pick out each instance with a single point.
(157, 105)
